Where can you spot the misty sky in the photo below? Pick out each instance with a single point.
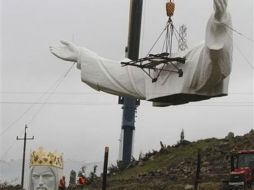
(80, 121)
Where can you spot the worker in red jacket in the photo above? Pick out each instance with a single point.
(61, 185)
(81, 180)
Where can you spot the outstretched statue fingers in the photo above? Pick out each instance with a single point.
(220, 7)
(68, 51)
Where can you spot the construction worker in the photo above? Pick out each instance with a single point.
(81, 180)
(61, 185)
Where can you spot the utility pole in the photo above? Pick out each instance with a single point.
(24, 155)
(196, 182)
(105, 169)
(130, 104)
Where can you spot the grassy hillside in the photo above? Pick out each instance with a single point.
(174, 167)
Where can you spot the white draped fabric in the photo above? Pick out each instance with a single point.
(206, 71)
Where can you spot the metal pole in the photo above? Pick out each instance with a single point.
(24, 156)
(198, 171)
(105, 169)
(130, 104)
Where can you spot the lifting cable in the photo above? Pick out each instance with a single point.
(244, 57)
(241, 53)
(158, 62)
(239, 33)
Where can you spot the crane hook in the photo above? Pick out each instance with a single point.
(170, 8)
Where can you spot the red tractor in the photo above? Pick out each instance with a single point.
(242, 170)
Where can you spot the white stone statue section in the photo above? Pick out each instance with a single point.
(206, 71)
(46, 169)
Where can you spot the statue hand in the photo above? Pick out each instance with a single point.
(220, 7)
(68, 52)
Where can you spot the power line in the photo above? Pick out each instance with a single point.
(89, 93)
(65, 75)
(16, 120)
(109, 104)
(8, 149)
(34, 103)
(55, 103)
(221, 105)
(56, 93)
(50, 94)
(4, 154)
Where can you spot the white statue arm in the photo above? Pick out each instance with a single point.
(216, 57)
(109, 76)
(67, 52)
(101, 73)
(212, 65)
